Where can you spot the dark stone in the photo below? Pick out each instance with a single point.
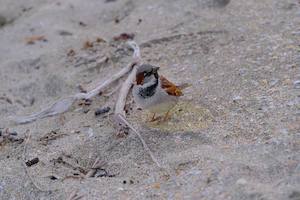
(101, 111)
(220, 3)
(65, 33)
(102, 173)
(295, 195)
(53, 178)
(3, 21)
(34, 161)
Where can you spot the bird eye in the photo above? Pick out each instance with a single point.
(147, 74)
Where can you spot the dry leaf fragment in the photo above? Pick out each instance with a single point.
(99, 40)
(71, 53)
(156, 185)
(88, 45)
(124, 37)
(82, 24)
(34, 38)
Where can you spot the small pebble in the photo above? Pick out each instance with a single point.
(294, 195)
(34, 161)
(140, 21)
(65, 33)
(297, 84)
(236, 98)
(3, 21)
(53, 178)
(101, 111)
(242, 72)
(86, 110)
(2, 184)
(101, 173)
(82, 24)
(14, 133)
(274, 82)
(241, 181)
(90, 132)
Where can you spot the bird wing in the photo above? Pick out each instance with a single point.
(170, 87)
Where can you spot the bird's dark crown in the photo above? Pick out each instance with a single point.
(145, 70)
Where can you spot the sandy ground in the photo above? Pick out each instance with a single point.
(236, 135)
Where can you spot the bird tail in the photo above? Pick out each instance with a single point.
(184, 86)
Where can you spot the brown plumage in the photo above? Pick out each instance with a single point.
(140, 79)
(170, 87)
(154, 92)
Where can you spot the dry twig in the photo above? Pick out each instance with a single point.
(64, 104)
(120, 118)
(34, 38)
(106, 83)
(74, 196)
(119, 109)
(97, 165)
(7, 136)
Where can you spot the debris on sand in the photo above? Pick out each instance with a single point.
(51, 136)
(32, 162)
(297, 84)
(87, 45)
(3, 21)
(35, 38)
(8, 100)
(65, 33)
(101, 111)
(108, 1)
(6, 136)
(99, 40)
(82, 24)
(124, 37)
(71, 53)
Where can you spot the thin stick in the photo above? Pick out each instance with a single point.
(74, 196)
(64, 104)
(136, 52)
(136, 59)
(97, 165)
(113, 91)
(106, 83)
(120, 114)
(120, 104)
(121, 119)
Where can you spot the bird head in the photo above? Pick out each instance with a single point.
(146, 73)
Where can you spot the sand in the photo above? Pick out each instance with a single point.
(235, 136)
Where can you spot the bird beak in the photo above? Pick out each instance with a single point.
(155, 69)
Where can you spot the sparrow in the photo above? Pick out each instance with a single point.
(154, 92)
